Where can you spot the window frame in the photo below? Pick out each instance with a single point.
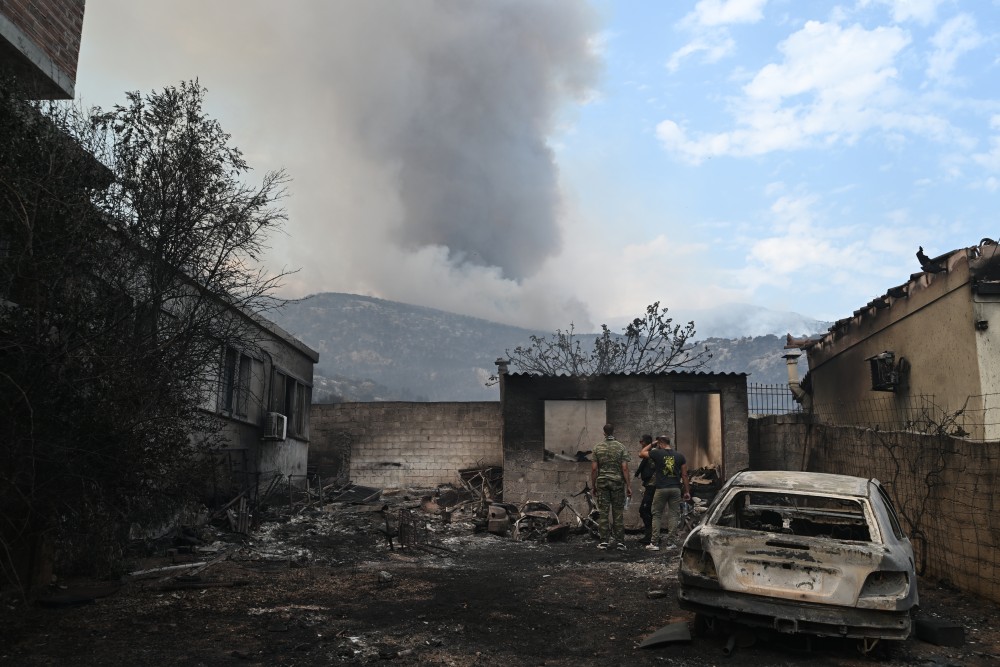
(235, 383)
(290, 396)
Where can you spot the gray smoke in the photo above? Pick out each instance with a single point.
(460, 98)
(415, 131)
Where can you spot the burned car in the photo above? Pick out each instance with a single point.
(801, 552)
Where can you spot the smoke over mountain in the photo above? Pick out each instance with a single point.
(737, 320)
(415, 132)
(455, 103)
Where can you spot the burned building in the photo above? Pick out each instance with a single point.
(550, 423)
(919, 357)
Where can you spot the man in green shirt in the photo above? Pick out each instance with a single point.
(610, 480)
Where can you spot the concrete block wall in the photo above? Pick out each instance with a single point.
(529, 478)
(397, 445)
(777, 442)
(943, 488)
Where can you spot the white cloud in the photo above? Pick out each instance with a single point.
(863, 259)
(617, 274)
(828, 60)
(715, 47)
(806, 247)
(707, 24)
(990, 159)
(956, 37)
(726, 12)
(833, 84)
(920, 11)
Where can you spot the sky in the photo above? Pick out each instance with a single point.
(544, 163)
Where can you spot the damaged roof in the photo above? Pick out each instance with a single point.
(983, 264)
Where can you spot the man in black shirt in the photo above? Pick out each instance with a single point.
(670, 476)
(645, 474)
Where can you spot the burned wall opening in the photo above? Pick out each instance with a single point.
(549, 420)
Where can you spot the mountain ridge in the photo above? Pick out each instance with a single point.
(373, 349)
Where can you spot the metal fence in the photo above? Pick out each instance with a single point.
(770, 399)
(977, 418)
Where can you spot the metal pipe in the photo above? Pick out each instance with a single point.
(792, 365)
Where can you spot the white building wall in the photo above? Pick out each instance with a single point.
(987, 309)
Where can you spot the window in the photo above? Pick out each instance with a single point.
(237, 373)
(796, 514)
(291, 398)
(574, 426)
(885, 372)
(890, 509)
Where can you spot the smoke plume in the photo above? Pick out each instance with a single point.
(416, 133)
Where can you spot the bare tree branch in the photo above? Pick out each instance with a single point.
(650, 344)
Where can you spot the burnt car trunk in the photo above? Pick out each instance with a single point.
(810, 570)
(818, 559)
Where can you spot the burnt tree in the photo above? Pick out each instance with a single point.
(652, 343)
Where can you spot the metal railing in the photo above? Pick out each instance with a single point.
(771, 399)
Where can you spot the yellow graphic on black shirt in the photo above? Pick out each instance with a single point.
(669, 467)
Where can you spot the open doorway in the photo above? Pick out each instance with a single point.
(698, 419)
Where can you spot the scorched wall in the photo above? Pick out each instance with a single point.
(393, 445)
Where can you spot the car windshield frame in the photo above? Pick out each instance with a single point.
(845, 518)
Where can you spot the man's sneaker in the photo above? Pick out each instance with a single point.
(621, 546)
(652, 547)
(602, 545)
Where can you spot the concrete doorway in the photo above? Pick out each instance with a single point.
(698, 418)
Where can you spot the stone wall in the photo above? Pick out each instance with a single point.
(943, 487)
(392, 445)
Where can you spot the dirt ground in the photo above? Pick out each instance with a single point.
(321, 586)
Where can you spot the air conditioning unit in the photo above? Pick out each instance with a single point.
(276, 426)
(888, 374)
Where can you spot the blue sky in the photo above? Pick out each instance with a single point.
(549, 162)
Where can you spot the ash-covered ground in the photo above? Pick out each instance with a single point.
(318, 584)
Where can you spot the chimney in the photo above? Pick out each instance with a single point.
(802, 397)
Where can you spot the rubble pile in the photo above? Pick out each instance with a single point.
(345, 523)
